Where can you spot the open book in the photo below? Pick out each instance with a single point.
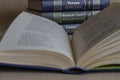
(36, 42)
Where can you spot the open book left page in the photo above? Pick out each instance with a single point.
(33, 40)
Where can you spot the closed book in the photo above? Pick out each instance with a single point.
(67, 5)
(70, 17)
(70, 28)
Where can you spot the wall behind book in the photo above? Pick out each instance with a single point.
(9, 9)
(111, 1)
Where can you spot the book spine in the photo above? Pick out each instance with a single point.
(69, 17)
(70, 28)
(68, 5)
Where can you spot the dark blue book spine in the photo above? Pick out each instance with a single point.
(69, 17)
(70, 28)
(70, 5)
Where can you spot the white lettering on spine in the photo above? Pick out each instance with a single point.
(69, 2)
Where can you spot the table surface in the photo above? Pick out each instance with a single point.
(23, 74)
(9, 9)
(28, 75)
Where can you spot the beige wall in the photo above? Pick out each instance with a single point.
(8, 11)
(114, 1)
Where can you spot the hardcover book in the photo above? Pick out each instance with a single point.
(66, 17)
(35, 42)
(67, 5)
(70, 28)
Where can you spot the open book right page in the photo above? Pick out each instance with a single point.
(94, 36)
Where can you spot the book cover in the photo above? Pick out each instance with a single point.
(70, 28)
(71, 17)
(67, 5)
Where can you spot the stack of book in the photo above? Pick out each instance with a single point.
(68, 13)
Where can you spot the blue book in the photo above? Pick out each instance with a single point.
(34, 42)
(69, 17)
(70, 28)
(67, 5)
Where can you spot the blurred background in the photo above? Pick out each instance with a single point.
(9, 9)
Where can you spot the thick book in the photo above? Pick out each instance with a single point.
(67, 5)
(67, 17)
(35, 42)
(70, 28)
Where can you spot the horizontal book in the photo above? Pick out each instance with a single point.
(67, 5)
(67, 17)
(70, 28)
(35, 42)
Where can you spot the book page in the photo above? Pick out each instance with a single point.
(95, 30)
(31, 32)
(113, 60)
